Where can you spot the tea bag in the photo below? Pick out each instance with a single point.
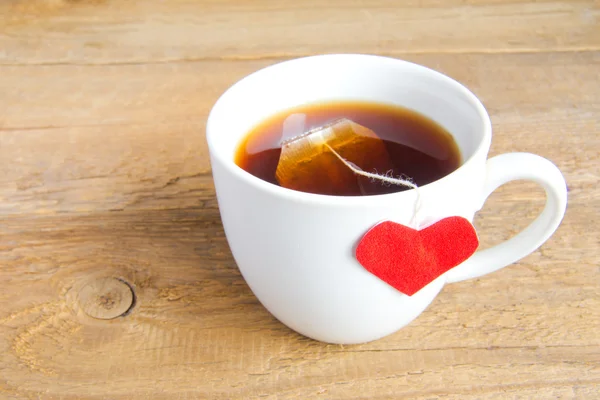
(307, 162)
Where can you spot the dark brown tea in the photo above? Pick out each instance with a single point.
(419, 148)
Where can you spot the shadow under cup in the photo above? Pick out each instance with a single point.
(296, 249)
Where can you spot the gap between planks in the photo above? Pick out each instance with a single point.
(284, 56)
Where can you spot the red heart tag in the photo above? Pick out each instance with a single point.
(408, 259)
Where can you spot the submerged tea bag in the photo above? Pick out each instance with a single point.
(307, 163)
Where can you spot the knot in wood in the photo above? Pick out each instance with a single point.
(105, 298)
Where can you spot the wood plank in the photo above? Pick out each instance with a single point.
(197, 329)
(132, 136)
(114, 31)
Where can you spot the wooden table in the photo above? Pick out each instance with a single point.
(116, 281)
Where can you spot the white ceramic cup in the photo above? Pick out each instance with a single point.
(296, 250)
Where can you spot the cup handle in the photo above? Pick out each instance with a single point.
(500, 170)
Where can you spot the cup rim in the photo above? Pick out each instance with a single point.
(304, 197)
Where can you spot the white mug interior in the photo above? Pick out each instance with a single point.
(346, 77)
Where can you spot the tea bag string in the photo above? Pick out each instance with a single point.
(388, 179)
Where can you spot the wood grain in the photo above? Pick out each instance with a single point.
(105, 187)
(114, 32)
